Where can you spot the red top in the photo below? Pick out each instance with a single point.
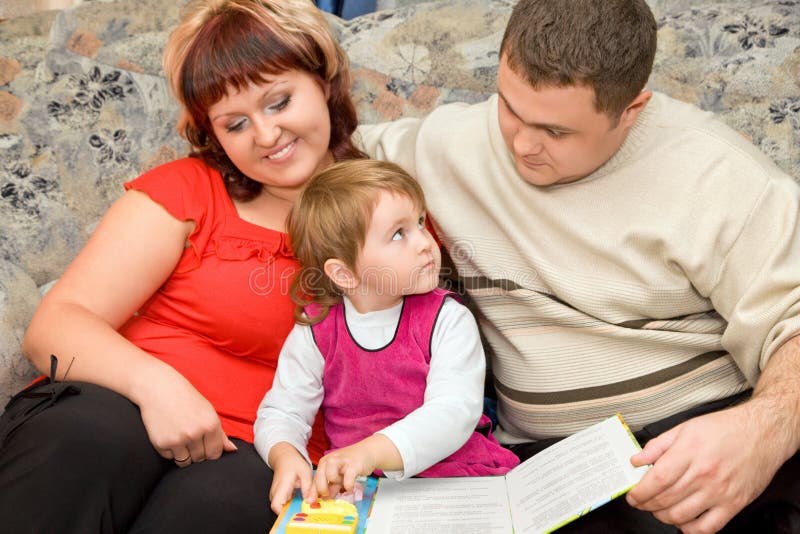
(222, 316)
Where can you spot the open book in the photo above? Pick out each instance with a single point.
(556, 486)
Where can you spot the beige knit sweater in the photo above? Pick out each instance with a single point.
(664, 280)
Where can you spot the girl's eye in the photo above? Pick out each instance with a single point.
(236, 126)
(280, 105)
(555, 134)
(398, 235)
(421, 223)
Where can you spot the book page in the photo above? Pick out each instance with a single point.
(468, 505)
(573, 477)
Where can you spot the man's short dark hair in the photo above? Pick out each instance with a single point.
(608, 45)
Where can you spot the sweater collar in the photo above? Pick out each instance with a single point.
(632, 144)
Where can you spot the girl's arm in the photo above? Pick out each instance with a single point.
(453, 396)
(128, 257)
(285, 416)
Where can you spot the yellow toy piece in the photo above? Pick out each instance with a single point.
(326, 516)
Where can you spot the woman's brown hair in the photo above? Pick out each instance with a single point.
(227, 44)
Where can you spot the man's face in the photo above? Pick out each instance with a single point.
(555, 133)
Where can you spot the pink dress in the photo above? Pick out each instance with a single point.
(368, 390)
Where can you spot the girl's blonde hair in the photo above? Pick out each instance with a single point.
(228, 44)
(330, 221)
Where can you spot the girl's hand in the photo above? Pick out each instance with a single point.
(340, 468)
(181, 424)
(291, 472)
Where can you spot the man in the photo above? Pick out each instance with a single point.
(628, 254)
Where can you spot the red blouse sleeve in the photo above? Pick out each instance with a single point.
(184, 188)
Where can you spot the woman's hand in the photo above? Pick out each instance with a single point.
(181, 424)
(291, 472)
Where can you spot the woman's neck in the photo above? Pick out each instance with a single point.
(267, 209)
(271, 207)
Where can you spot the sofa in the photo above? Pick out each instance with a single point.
(84, 105)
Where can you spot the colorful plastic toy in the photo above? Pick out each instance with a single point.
(326, 516)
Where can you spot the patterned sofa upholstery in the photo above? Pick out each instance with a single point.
(84, 105)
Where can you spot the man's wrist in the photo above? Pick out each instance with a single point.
(776, 399)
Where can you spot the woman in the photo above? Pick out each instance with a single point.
(169, 322)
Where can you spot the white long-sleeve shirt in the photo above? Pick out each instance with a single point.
(453, 396)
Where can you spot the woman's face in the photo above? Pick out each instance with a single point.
(276, 132)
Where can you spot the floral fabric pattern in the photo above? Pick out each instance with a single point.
(739, 59)
(84, 105)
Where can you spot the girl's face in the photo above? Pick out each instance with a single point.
(276, 132)
(399, 256)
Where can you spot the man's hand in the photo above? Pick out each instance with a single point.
(291, 472)
(708, 469)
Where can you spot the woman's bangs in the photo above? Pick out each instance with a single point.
(233, 53)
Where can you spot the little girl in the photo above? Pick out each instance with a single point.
(395, 363)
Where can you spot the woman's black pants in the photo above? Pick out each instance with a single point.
(75, 457)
